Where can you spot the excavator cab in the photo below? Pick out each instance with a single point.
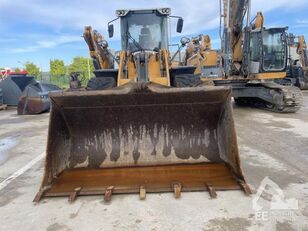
(272, 57)
(146, 133)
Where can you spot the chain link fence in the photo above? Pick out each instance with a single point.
(61, 81)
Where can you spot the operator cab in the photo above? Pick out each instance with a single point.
(144, 30)
(273, 55)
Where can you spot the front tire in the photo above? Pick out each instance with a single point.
(102, 83)
(187, 80)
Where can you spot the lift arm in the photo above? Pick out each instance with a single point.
(98, 48)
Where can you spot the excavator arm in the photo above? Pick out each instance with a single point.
(98, 48)
(302, 51)
(234, 18)
(234, 12)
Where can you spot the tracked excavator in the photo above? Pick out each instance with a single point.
(144, 127)
(254, 58)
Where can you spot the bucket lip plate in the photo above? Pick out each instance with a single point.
(223, 179)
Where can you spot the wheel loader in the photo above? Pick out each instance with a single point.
(208, 62)
(141, 128)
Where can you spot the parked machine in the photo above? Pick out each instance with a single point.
(252, 66)
(145, 127)
(208, 62)
(297, 73)
(254, 59)
(29, 95)
(34, 99)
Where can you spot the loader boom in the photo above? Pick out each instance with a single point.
(98, 47)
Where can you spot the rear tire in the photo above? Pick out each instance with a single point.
(187, 80)
(101, 83)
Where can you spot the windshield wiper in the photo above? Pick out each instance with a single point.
(134, 41)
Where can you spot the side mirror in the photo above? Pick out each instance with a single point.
(110, 30)
(179, 26)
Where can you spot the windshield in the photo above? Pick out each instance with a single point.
(144, 31)
(274, 51)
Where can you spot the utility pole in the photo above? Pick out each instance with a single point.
(89, 71)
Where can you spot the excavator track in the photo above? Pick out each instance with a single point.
(290, 98)
(270, 96)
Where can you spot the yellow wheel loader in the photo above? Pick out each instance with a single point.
(144, 127)
(199, 53)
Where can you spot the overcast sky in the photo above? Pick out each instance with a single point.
(40, 30)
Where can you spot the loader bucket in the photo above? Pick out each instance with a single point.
(136, 139)
(34, 99)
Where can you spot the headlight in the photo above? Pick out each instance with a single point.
(165, 11)
(121, 13)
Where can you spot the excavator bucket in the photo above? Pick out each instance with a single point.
(138, 139)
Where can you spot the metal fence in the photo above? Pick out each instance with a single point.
(60, 81)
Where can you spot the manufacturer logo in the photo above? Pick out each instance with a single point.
(278, 200)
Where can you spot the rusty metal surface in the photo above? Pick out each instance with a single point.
(32, 105)
(34, 99)
(171, 178)
(140, 125)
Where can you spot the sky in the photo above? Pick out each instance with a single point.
(40, 30)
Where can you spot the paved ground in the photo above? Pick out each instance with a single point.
(271, 145)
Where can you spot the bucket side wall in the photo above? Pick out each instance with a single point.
(228, 140)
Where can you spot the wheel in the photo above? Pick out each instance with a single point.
(187, 80)
(101, 83)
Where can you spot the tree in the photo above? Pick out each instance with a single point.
(57, 68)
(17, 70)
(80, 64)
(32, 69)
